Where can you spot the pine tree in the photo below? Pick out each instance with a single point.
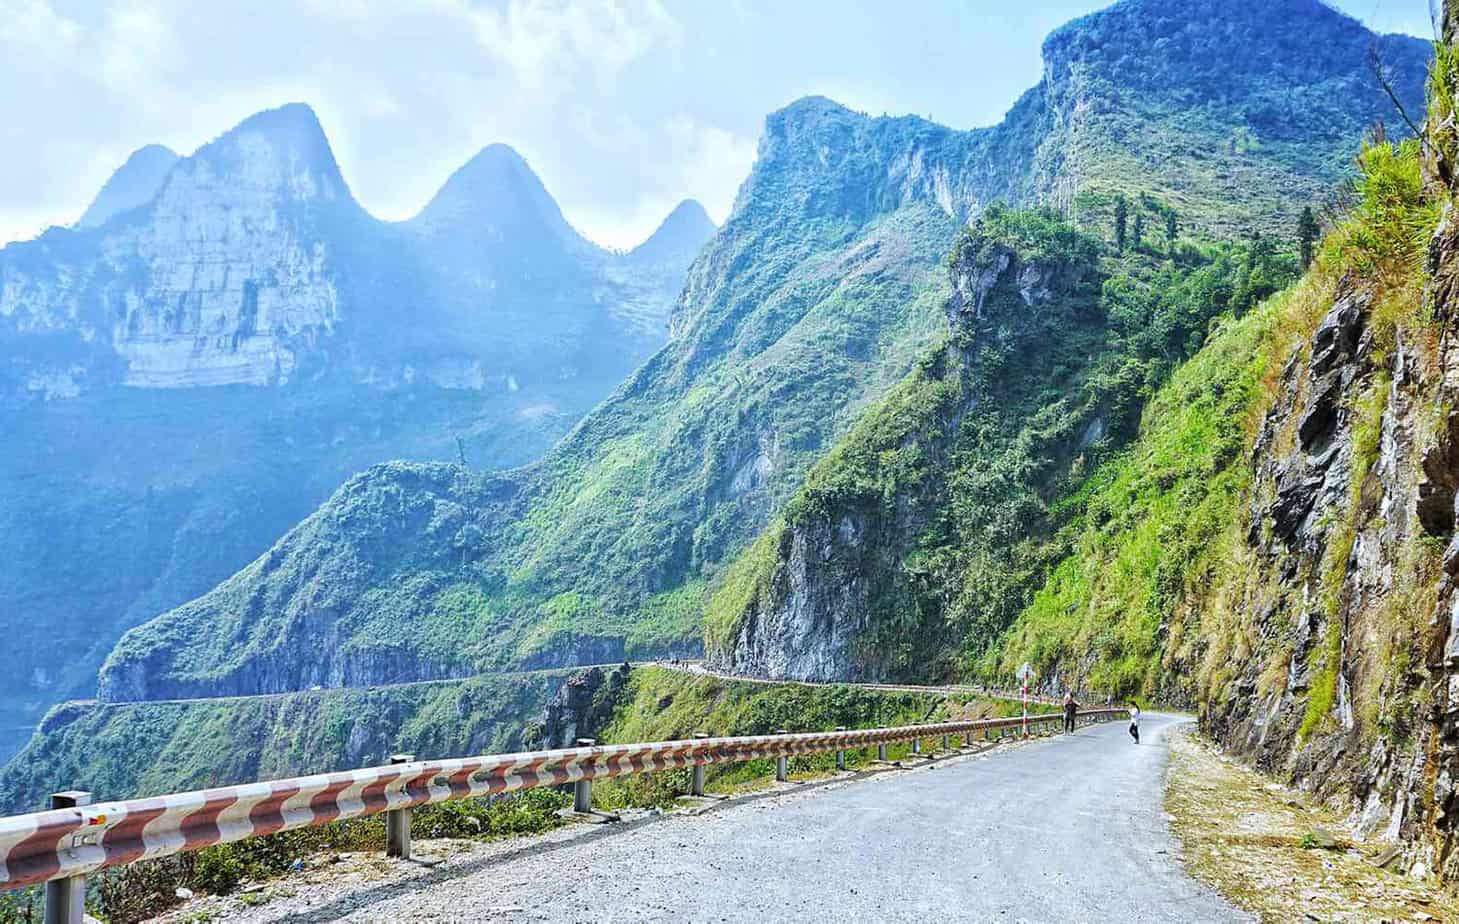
(1172, 226)
(1138, 234)
(1121, 213)
(1307, 234)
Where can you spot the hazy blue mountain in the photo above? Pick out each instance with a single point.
(681, 234)
(134, 184)
(185, 377)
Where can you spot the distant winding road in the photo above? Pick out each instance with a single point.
(1063, 829)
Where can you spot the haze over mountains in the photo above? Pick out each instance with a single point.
(224, 337)
(827, 286)
(821, 291)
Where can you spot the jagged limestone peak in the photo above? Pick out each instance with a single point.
(282, 153)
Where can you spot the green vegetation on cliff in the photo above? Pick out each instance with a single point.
(941, 510)
(666, 705)
(120, 751)
(1145, 522)
(1235, 113)
(1146, 599)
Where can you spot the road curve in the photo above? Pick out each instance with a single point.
(1064, 829)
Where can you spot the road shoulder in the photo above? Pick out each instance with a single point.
(1270, 851)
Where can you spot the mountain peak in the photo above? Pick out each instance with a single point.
(495, 193)
(1224, 48)
(283, 148)
(680, 234)
(494, 171)
(134, 184)
(817, 156)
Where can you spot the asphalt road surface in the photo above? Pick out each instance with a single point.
(1064, 829)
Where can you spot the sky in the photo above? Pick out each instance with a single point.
(623, 107)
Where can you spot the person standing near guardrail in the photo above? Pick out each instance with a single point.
(1071, 711)
(1135, 721)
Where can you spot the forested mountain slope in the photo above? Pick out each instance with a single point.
(920, 536)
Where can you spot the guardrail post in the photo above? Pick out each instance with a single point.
(697, 786)
(782, 763)
(397, 821)
(947, 742)
(881, 751)
(66, 898)
(840, 754)
(916, 745)
(582, 790)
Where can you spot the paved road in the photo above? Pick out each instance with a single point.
(1065, 829)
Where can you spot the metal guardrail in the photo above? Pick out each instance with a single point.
(61, 846)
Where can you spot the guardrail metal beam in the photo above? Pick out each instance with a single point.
(75, 837)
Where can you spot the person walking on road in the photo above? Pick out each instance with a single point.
(1135, 721)
(1071, 709)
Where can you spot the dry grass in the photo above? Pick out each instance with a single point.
(1244, 836)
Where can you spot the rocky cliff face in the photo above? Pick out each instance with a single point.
(583, 706)
(224, 277)
(250, 263)
(1338, 672)
(238, 287)
(1346, 593)
(829, 596)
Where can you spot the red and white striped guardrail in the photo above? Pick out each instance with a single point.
(68, 843)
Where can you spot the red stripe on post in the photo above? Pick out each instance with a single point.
(418, 789)
(372, 794)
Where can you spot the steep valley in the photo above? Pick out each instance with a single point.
(923, 413)
(824, 287)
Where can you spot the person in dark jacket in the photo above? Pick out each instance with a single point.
(1071, 711)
